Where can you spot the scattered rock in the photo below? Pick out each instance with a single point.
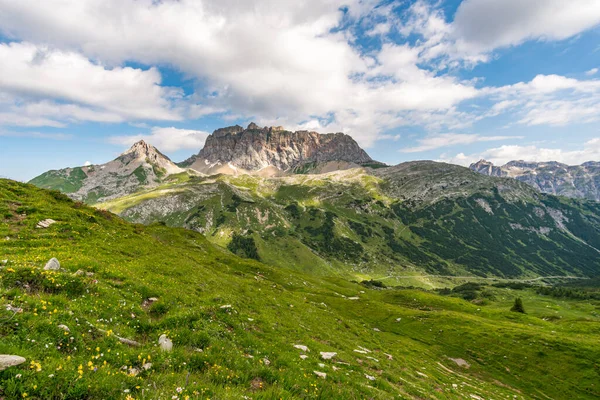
(301, 347)
(4, 262)
(398, 319)
(369, 377)
(225, 307)
(45, 223)
(321, 365)
(266, 361)
(133, 371)
(52, 265)
(389, 356)
(303, 356)
(147, 366)
(320, 374)
(460, 362)
(165, 343)
(7, 361)
(372, 358)
(89, 274)
(152, 299)
(9, 307)
(360, 351)
(376, 329)
(199, 350)
(64, 328)
(354, 298)
(327, 355)
(80, 272)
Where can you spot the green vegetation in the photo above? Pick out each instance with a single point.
(518, 306)
(243, 247)
(233, 322)
(419, 219)
(67, 180)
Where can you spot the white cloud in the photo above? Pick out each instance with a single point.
(87, 163)
(91, 91)
(484, 25)
(589, 151)
(452, 139)
(166, 139)
(264, 59)
(592, 71)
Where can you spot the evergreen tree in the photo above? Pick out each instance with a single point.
(518, 306)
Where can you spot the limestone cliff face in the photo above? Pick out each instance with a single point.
(255, 149)
(577, 181)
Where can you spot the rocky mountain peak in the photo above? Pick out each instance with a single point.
(256, 148)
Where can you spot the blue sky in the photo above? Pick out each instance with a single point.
(454, 81)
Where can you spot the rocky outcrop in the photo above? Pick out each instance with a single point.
(253, 149)
(577, 181)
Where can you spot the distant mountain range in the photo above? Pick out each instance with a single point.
(319, 203)
(576, 181)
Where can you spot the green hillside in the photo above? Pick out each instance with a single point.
(414, 219)
(233, 322)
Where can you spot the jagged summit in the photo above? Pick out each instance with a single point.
(578, 181)
(274, 150)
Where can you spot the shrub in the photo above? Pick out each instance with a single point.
(518, 306)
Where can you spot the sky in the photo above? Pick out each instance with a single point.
(453, 81)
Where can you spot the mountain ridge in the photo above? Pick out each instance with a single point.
(256, 149)
(576, 181)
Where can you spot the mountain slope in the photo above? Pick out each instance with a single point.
(576, 181)
(234, 323)
(140, 166)
(418, 218)
(273, 151)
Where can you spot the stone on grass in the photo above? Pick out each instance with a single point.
(320, 374)
(4, 262)
(64, 328)
(45, 223)
(7, 361)
(165, 343)
(460, 362)
(327, 355)
(369, 377)
(52, 265)
(301, 347)
(303, 356)
(147, 366)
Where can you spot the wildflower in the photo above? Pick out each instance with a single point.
(179, 390)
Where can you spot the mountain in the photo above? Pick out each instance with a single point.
(273, 151)
(240, 328)
(576, 181)
(411, 220)
(142, 166)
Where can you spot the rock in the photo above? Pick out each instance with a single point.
(133, 371)
(389, 356)
(165, 343)
(321, 365)
(4, 262)
(376, 329)
(266, 361)
(369, 377)
(303, 356)
(64, 328)
(7, 361)
(225, 306)
(80, 272)
(320, 374)
(460, 362)
(301, 347)
(45, 223)
(152, 299)
(257, 148)
(52, 265)
(327, 355)
(147, 366)
(9, 307)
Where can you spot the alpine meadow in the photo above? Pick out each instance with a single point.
(413, 214)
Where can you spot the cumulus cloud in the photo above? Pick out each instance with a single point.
(485, 25)
(166, 139)
(93, 92)
(592, 71)
(37, 135)
(452, 139)
(263, 59)
(588, 151)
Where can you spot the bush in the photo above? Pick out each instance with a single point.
(518, 306)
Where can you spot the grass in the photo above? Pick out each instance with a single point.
(247, 348)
